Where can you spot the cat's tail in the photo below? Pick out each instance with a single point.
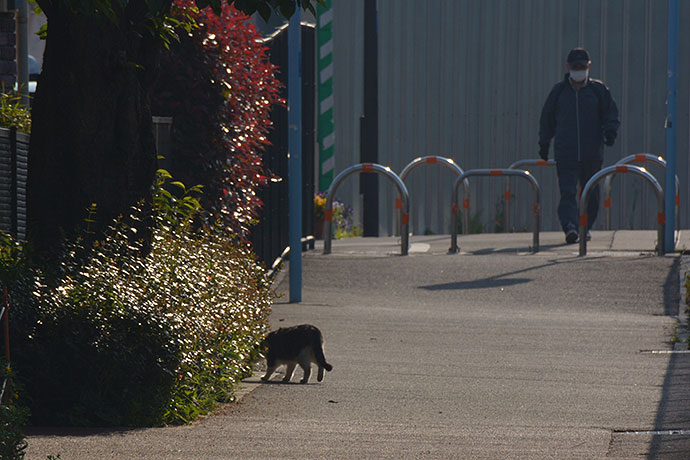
(318, 354)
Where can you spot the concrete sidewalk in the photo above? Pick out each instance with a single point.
(493, 353)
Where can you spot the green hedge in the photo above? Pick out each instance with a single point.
(123, 339)
(12, 419)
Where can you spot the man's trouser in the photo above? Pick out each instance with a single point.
(570, 175)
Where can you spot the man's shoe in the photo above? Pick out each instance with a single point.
(571, 236)
(589, 235)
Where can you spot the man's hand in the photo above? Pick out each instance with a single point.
(610, 138)
(544, 151)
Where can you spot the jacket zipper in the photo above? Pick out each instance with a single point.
(577, 118)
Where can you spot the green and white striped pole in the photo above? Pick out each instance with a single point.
(326, 132)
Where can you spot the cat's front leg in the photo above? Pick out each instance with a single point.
(269, 371)
(289, 371)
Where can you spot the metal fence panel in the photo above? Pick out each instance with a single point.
(14, 147)
(348, 39)
(22, 175)
(466, 79)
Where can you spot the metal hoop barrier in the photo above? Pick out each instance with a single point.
(520, 164)
(448, 163)
(496, 173)
(621, 169)
(637, 158)
(368, 168)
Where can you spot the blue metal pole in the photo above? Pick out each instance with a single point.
(295, 155)
(671, 125)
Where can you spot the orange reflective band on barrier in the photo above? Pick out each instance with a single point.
(583, 220)
(367, 167)
(465, 203)
(454, 209)
(506, 195)
(405, 219)
(661, 218)
(398, 203)
(677, 200)
(542, 163)
(328, 215)
(431, 160)
(536, 209)
(607, 202)
(641, 158)
(495, 172)
(621, 169)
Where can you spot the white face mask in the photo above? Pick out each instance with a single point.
(579, 75)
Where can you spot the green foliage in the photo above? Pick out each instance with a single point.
(128, 340)
(343, 224)
(500, 213)
(12, 442)
(154, 16)
(13, 113)
(285, 8)
(12, 418)
(219, 87)
(176, 207)
(476, 225)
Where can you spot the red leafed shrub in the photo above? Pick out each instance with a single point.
(219, 86)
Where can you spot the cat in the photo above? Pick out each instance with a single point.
(295, 345)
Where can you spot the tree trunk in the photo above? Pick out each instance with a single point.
(92, 135)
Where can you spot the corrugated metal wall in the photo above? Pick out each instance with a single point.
(467, 79)
(13, 175)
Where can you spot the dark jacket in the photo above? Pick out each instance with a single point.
(578, 119)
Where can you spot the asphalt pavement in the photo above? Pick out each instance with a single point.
(492, 353)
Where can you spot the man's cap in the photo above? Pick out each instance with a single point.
(578, 56)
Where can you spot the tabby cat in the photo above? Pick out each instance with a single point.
(295, 345)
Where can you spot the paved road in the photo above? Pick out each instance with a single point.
(492, 354)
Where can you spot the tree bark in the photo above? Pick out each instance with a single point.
(92, 135)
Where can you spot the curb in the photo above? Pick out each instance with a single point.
(247, 385)
(682, 332)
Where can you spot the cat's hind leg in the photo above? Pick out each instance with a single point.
(319, 377)
(306, 367)
(305, 358)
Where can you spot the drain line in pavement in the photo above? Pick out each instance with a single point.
(664, 352)
(657, 433)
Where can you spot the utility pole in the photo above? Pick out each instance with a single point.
(22, 51)
(369, 124)
(671, 126)
(295, 155)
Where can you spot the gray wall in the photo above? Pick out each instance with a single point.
(466, 79)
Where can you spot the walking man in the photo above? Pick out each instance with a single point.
(582, 116)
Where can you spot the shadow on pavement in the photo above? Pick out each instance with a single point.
(671, 291)
(673, 412)
(493, 282)
(674, 408)
(501, 280)
(545, 247)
